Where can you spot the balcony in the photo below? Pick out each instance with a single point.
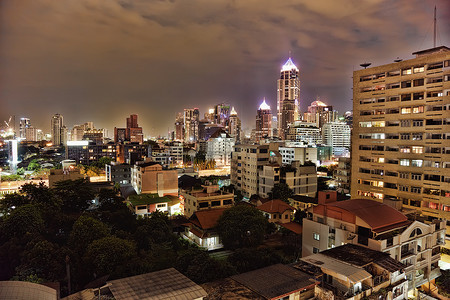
(406, 254)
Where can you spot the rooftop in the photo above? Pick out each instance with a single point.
(207, 219)
(289, 65)
(369, 211)
(275, 281)
(275, 206)
(164, 284)
(432, 51)
(147, 199)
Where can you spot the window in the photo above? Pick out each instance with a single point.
(415, 189)
(406, 123)
(419, 69)
(417, 149)
(316, 236)
(403, 188)
(417, 109)
(406, 110)
(405, 150)
(417, 136)
(403, 175)
(416, 163)
(406, 71)
(315, 250)
(417, 123)
(404, 162)
(416, 176)
(404, 136)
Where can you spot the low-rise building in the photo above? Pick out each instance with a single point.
(149, 177)
(57, 175)
(379, 227)
(277, 211)
(209, 196)
(219, 147)
(342, 174)
(146, 204)
(201, 229)
(118, 173)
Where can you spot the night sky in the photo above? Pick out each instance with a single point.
(101, 60)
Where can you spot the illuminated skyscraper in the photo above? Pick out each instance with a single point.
(235, 125)
(263, 121)
(288, 97)
(191, 119)
(56, 127)
(23, 124)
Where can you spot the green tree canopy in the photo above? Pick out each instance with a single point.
(23, 220)
(242, 226)
(106, 254)
(281, 191)
(86, 230)
(76, 195)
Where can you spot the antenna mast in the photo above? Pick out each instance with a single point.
(434, 39)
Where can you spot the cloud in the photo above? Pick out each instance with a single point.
(101, 60)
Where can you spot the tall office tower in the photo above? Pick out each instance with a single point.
(263, 122)
(179, 127)
(222, 115)
(77, 133)
(31, 134)
(210, 115)
(235, 125)
(401, 133)
(191, 119)
(134, 132)
(23, 124)
(337, 135)
(288, 97)
(320, 113)
(56, 127)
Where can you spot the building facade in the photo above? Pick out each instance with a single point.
(338, 136)
(308, 133)
(150, 178)
(263, 122)
(401, 131)
(57, 130)
(219, 147)
(288, 97)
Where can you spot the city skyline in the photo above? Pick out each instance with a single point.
(105, 60)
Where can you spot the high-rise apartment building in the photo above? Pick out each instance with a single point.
(23, 124)
(320, 113)
(263, 122)
(134, 132)
(179, 127)
(57, 131)
(307, 133)
(401, 133)
(222, 115)
(337, 135)
(191, 119)
(288, 97)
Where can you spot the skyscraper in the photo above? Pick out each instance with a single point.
(191, 119)
(400, 150)
(235, 125)
(320, 113)
(288, 97)
(179, 127)
(263, 121)
(23, 124)
(56, 127)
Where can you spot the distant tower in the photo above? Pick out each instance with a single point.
(24, 123)
(263, 121)
(56, 127)
(235, 125)
(288, 97)
(191, 120)
(179, 127)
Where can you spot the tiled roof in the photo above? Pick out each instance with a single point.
(26, 290)
(374, 213)
(164, 284)
(304, 199)
(275, 281)
(292, 226)
(275, 206)
(207, 219)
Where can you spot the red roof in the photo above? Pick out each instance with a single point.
(207, 219)
(374, 213)
(292, 226)
(275, 206)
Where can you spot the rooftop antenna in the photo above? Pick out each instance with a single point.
(365, 65)
(398, 59)
(434, 37)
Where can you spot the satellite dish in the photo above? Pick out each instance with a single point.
(365, 65)
(398, 59)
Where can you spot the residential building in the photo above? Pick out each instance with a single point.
(219, 147)
(379, 227)
(86, 153)
(342, 175)
(288, 97)
(179, 127)
(302, 179)
(263, 122)
(23, 124)
(338, 136)
(354, 272)
(57, 175)
(56, 128)
(31, 134)
(246, 162)
(130, 153)
(133, 131)
(145, 204)
(277, 211)
(307, 133)
(201, 229)
(150, 178)
(300, 153)
(118, 173)
(401, 146)
(207, 197)
(94, 135)
(120, 135)
(222, 115)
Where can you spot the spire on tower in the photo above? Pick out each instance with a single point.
(289, 65)
(264, 105)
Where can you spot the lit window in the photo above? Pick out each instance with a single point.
(417, 149)
(406, 71)
(405, 150)
(381, 159)
(419, 69)
(417, 109)
(404, 162)
(316, 236)
(416, 163)
(406, 110)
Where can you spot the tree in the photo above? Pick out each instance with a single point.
(281, 191)
(20, 171)
(76, 195)
(108, 253)
(22, 221)
(299, 215)
(84, 231)
(242, 226)
(248, 259)
(33, 165)
(154, 230)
